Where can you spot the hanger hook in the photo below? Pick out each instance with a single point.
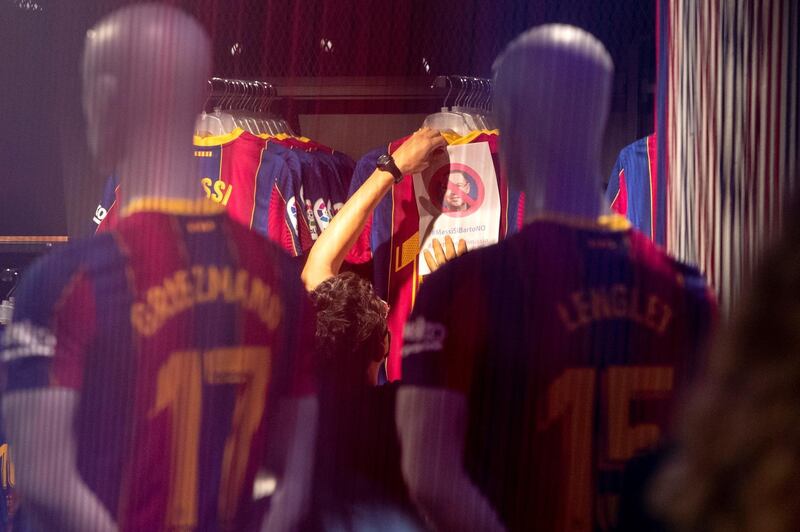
(462, 86)
(250, 94)
(274, 94)
(225, 94)
(256, 96)
(473, 92)
(215, 92)
(242, 86)
(449, 81)
(210, 94)
(234, 94)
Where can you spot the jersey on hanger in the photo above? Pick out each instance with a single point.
(237, 172)
(571, 342)
(392, 237)
(287, 189)
(283, 210)
(635, 192)
(228, 167)
(232, 175)
(324, 176)
(181, 333)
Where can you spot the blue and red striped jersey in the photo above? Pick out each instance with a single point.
(571, 341)
(180, 332)
(391, 237)
(635, 192)
(287, 189)
(324, 177)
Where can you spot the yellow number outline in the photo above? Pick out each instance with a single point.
(180, 392)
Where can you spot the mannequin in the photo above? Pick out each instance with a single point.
(552, 95)
(144, 78)
(552, 90)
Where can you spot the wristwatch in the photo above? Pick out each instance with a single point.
(387, 164)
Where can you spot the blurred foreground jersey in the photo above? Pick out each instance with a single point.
(571, 341)
(635, 192)
(180, 332)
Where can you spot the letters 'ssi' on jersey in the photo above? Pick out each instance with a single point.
(251, 182)
(180, 330)
(571, 341)
(635, 192)
(391, 237)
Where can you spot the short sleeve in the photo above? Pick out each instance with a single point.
(282, 224)
(105, 216)
(53, 323)
(445, 334)
(617, 191)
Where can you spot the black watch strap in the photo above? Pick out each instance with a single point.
(387, 164)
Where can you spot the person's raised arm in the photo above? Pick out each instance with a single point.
(329, 251)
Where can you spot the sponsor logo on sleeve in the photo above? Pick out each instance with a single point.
(291, 210)
(421, 335)
(24, 339)
(99, 214)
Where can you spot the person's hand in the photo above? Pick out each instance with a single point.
(440, 256)
(415, 153)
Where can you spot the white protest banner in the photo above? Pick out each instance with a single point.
(458, 197)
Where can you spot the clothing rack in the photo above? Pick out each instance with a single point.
(240, 94)
(473, 93)
(245, 104)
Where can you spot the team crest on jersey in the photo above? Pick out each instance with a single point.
(421, 335)
(322, 214)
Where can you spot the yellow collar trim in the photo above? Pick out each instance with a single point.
(218, 140)
(283, 136)
(173, 206)
(454, 139)
(606, 222)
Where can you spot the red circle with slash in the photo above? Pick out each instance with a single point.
(440, 184)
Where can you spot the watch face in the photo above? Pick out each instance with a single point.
(383, 160)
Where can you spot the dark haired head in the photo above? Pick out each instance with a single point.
(351, 326)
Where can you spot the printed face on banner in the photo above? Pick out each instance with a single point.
(456, 190)
(458, 197)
